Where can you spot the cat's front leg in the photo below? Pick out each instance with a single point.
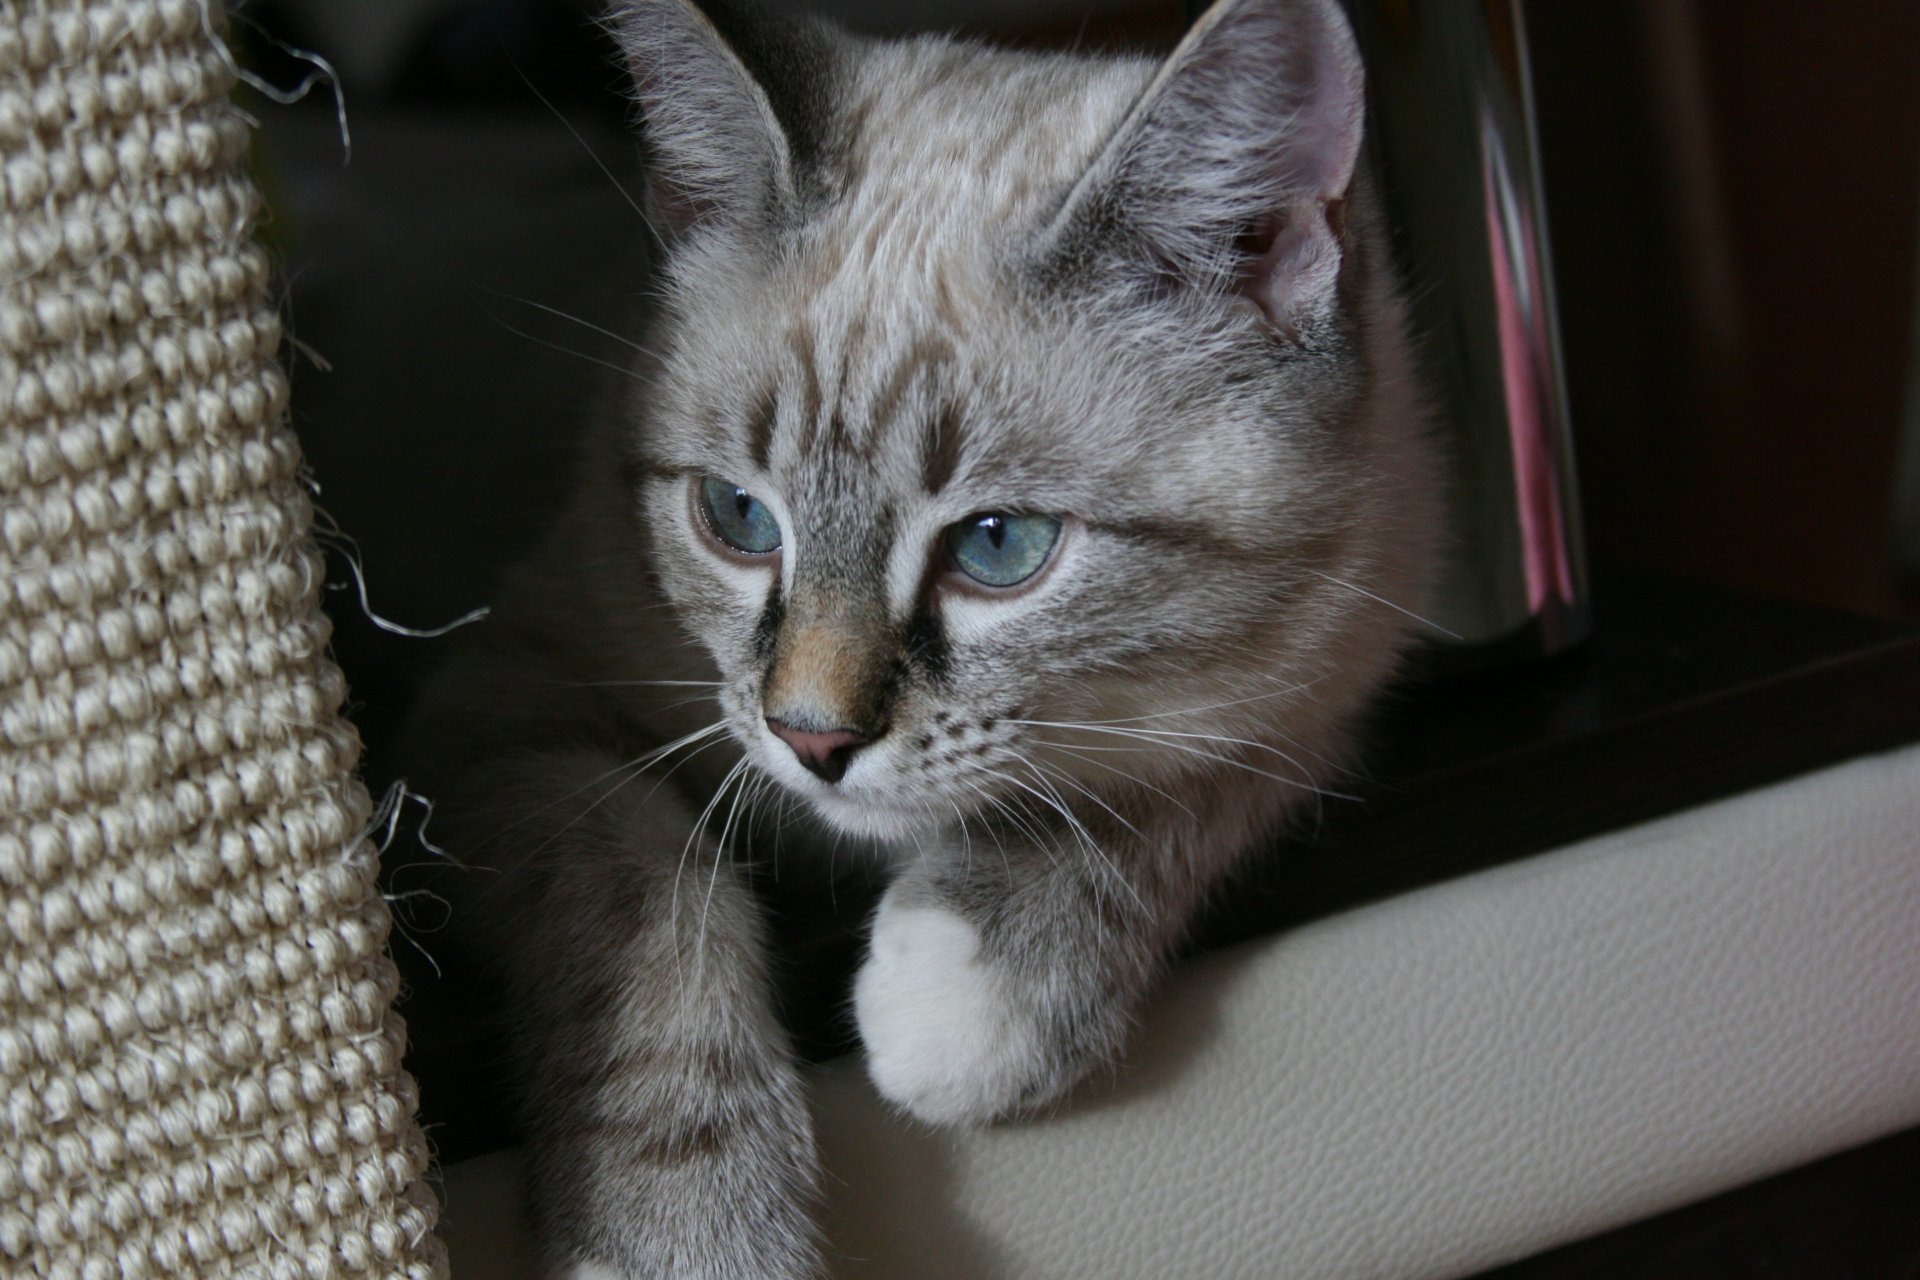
(667, 1127)
(673, 1142)
(995, 983)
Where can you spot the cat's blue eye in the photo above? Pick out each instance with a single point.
(738, 518)
(1001, 550)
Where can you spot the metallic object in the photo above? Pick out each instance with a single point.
(1454, 146)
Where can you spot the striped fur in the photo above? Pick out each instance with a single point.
(905, 283)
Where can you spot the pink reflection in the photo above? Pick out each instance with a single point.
(1526, 356)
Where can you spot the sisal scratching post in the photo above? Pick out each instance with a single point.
(200, 1068)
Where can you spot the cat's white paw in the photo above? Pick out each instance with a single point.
(592, 1271)
(942, 1041)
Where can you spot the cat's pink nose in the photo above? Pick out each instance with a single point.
(825, 755)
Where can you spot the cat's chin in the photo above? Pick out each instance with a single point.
(870, 820)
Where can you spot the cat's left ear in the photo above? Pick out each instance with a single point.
(731, 101)
(1229, 173)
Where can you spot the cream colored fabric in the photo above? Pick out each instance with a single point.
(200, 1070)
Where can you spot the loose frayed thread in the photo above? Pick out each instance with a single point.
(329, 534)
(387, 814)
(386, 823)
(415, 633)
(323, 71)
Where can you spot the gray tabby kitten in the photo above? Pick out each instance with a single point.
(1024, 455)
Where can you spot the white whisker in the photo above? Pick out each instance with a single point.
(1061, 775)
(1297, 687)
(638, 765)
(721, 855)
(1171, 740)
(1428, 622)
(966, 842)
(1058, 803)
(989, 800)
(584, 323)
(595, 155)
(1021, 822)
(673, 902)
(627, 684)
(1079, 750)
(620, 369)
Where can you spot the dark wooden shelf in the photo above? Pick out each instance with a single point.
(1686, 694)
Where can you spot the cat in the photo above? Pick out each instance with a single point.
(1022, 476)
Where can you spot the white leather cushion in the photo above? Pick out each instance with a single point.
(1436, 1084)
(1460, 1076)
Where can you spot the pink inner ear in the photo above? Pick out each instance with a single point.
(1295, 274)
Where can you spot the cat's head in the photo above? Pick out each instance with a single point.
(1020, 424)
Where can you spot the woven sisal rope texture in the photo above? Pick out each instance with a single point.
(200, 1068)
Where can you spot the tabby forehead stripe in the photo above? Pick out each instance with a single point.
(1187, 535)
(800, 339)
(760, 423)
(942, 457)
(927, 352)
(850, 355)
(637, 470)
